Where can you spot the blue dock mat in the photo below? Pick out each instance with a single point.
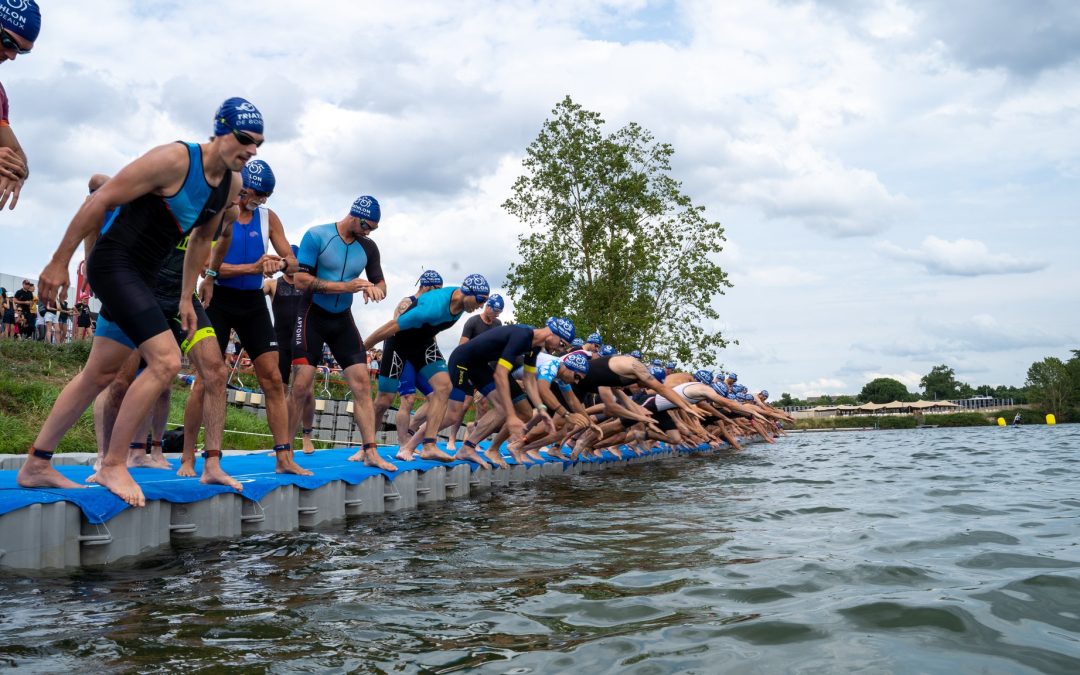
(254, 471)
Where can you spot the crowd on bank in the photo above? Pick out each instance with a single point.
(25, 316)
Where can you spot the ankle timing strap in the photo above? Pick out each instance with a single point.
(210, 454)
(284, 447)
(41, 454)
(307, 432)
(428, 441)
(136, 445)
(470, 444)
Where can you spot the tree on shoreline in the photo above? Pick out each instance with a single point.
(884, 390)
(614, 243)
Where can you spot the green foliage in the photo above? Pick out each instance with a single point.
(614, 244)
(857, 422)
(940, 383)
(969, 419)
(884, 390)
(1050, 384)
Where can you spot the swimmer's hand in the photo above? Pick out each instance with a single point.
(188, 320)
(357, 285)
(373, 293)
(54, 279)
(10, 189)
(206, 291)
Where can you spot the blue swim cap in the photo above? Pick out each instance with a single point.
(658, 373)
(594, 339)
(496, 302)
(720, 388)
(22, 17)
(743, 396)
(430, 279)
(564, 328)
(578, 343)
(366, 207)
(739, 389)
(703, 376)
(673, 366)
(733, 377)
(477, 286)
(636, 354)
(657, 363)
(764, 393)
(607, 350)
(577, 362)
(237, 114)
(258, 176)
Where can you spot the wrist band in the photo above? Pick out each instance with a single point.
(210, 273)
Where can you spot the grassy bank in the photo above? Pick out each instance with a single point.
(965, 419)
(32, 375)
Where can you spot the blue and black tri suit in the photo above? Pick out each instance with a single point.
(414, 343)
(124, 264)
(326, 317)
(470, 363)
(238, 301)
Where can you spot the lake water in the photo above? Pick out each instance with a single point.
(916, 551)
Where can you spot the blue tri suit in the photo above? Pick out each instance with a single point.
(326, 317)
(414, 344)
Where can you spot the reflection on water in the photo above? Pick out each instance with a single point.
(933, 551)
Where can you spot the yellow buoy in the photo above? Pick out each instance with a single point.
(1051, 420)
(1001, 421)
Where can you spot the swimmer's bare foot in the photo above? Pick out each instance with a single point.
(309, 447)
(38, 473)
(496, 458)
(373, 458)
(187, 467)
(119, 482)
(435, 454)
(615, 451)
(404, 454)
(289, 466)
(556, 452)
(357, 456)
(212, 474)
(534, 455)
(471, 455)
(451, 445)
(145, 461)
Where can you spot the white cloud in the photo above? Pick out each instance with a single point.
(962, 257)
(818, 387)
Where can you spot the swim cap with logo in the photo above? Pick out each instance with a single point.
(430, 279)
(594, 339)
(733, 377)
(258, 176)
(764, 393)
(496, 302)
(608, 350)
(22, 17)
(656, 363)
(564, 328)
(367, 208)
(703, 376)
(477, 286)
(659, 373)
(578, 343)
(673, 366)
(577, 362)
(237, 114)
(636, 354)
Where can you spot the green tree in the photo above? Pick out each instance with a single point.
(940, 383)
(1050, 383)
(786, 400)
(844, 399)
(613, 242)
(884, 390)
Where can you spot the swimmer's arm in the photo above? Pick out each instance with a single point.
(270, 287)
(163, 167)
(383, 332)
(309, 282)
(281, 244)
(221, 247)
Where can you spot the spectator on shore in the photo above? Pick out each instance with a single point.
(25, 304)
(7, 314)
(82, 323)
(51, 319)
(63, 314)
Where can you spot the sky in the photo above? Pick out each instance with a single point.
(897, 178)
